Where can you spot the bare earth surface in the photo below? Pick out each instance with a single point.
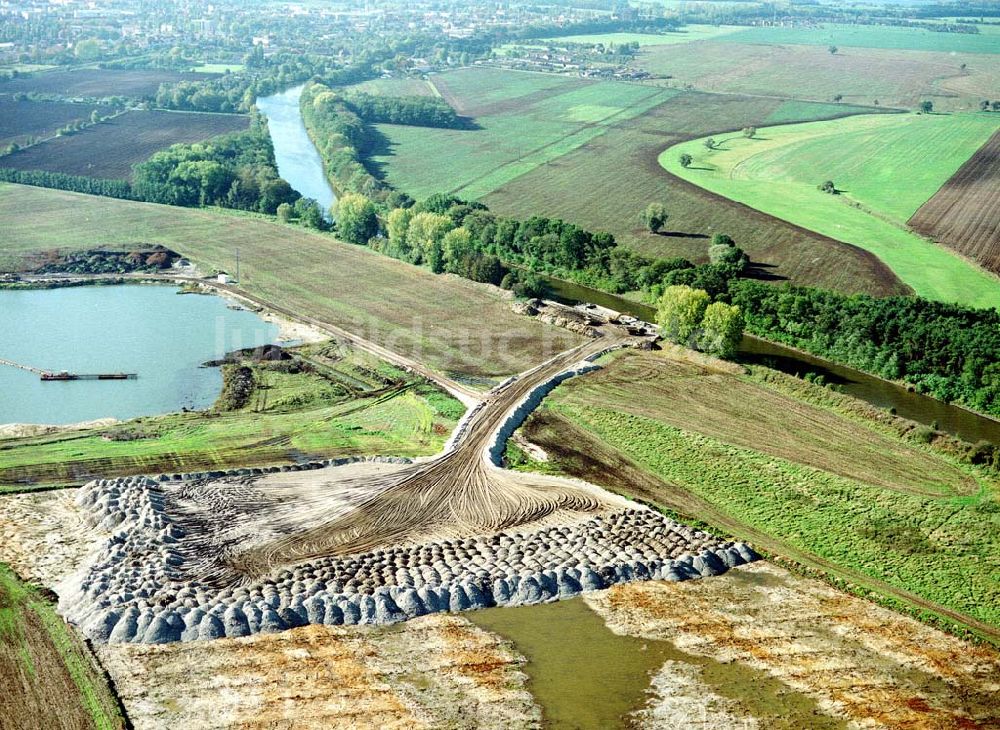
(433, 672)
(857, 661)
(860, 662)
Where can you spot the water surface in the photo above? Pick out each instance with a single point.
(149, 330)
(298, 160)
(961, 422)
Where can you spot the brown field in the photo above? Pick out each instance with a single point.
(48, 676)
(965, 213)
(110, 149)
(433, 672)
(606, 183)
(858, 663)
(99, 83)
(452, 325)
(860, 75)
(20, 120)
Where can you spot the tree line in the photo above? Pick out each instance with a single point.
(342, 139)
(233, 171)
(945, 350)
(417, 111)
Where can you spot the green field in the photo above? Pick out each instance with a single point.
(605, 185)
(688, 33)
(436, 320)
(602, 172)
(395, 87)
(218, 68)
(47, 674)
(344, 403)
(871, 36)
(889, 77)
(835, 480)
(885, 168)
(525, 120)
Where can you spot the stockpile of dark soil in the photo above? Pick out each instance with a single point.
(99, 261)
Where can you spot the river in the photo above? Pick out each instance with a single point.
(965, 424)
(150, 330)
(298, 160)
(299, 163)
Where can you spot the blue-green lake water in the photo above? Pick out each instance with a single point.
(150, 330)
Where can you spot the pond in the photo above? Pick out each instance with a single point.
(298, 160)
(965, 424)
(149, 330)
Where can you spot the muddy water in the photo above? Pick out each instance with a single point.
(583, 675)
(969, 426)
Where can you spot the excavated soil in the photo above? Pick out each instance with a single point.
(433, 672)
(857, 661)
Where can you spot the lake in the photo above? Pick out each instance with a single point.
(298, 160)
(150, 330)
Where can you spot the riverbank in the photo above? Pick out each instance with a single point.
(853, 492)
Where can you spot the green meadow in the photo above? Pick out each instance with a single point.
(525, 120)
(870, 36)
(883, 167)
(693, 32)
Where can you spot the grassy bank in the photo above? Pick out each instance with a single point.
(328, 402)
(832, 480)
(880, 179)
(47, 675)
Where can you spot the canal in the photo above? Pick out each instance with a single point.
(965, 424)
(298, 159)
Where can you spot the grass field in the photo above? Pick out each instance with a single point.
(345, 403)
(885, 166)
(20, 120)
(605, 184)
(871, 36)
(395, 87)
(837, 485)
(218, 68)
(860, 75)
(602, 172)
(451, 324)
(48, 677)
(688, 33)
(964, 213)
(525, 120)
(98, 83)
(111, 148)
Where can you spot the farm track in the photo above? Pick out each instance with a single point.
(965, 213)
(461, 492)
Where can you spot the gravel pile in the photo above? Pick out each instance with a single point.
(134, 590)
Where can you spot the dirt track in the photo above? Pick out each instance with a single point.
(460, 493)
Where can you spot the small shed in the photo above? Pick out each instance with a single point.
(223, 277)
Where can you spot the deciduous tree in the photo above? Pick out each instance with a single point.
(680, 311)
